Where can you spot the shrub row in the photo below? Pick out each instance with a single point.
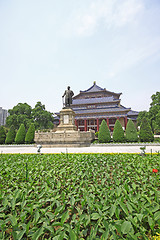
(131, 135)
(19, 137)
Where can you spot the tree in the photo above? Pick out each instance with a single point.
(2, 135)
(30, 134)
(20, 136)
(21, 113)
(42, 118)
(104, 134)
(131, 132)
(154, 112)
(146, 134)
(118, 133)
(141, 115)
(10, 135)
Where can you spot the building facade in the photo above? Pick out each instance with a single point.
(3, 116)
(95, 104)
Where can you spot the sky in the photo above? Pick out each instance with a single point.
(47, 45)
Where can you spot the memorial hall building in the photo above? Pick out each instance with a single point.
(95, 104)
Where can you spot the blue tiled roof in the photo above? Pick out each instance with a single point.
(94, 88)
(131, 112)
(94, 100)
(99, 110)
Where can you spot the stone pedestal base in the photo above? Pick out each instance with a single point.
(66, 134)
(67, 120)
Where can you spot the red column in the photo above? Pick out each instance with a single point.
(125, 122)
(97, 124)
(108, 122)
(117, 118)
(85, 125)
(76, 123)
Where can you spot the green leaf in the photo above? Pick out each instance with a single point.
(157, 216)
(13, 220)
(49, 228)
(112, 209)
(124, 208)
(37, 234)
(72, 234)
(20, 234)
(65, 216)
(126, 227)
(139, 216)
(36, 216)
(134, 185)
(151, 222)
(95, 216)
(72, 200)
(50, 215)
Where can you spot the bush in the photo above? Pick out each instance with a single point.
(146, 134)
(118, 133)
(2, 135)
(104, 134)
(10, 135)
(20, 136)
(30, 134)
(131, 132)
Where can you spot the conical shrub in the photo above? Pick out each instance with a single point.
(20, 136)
(118, 133)
(104, 134)
(30, 134)
(2, 135)
(131, 132)
(146, 134)
(10, 135)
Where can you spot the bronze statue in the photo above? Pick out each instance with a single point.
(68, 97)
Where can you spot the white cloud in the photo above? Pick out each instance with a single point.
(113, 13)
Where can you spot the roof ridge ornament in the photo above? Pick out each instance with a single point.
(94, 83)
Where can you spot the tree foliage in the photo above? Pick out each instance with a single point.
(42, 118)
(30, 134)
(141, 115)
(23, 113)
(10, 135)
(104, 134)
(20, 136)
(118, 133)
(146, 134)
(2, 135)
(131, 132)
(154, 112)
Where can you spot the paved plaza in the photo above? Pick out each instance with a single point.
(91, 149)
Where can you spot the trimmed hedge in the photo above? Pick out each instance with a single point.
(104, 134)
(118, 133)
(20, 136)
(146, 134)
(10, 135)
(30, 134)
(131, 132)
(2, 135)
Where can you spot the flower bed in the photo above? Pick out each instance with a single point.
(79, 196)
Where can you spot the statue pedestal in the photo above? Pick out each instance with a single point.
(67, 134)
(67, 120)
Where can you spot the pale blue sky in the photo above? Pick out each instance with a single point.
(47, 45)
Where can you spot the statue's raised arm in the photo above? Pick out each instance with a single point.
(68, 94)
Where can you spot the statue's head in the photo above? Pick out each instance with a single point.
(68, 87)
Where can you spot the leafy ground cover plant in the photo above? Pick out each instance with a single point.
(79, 196)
